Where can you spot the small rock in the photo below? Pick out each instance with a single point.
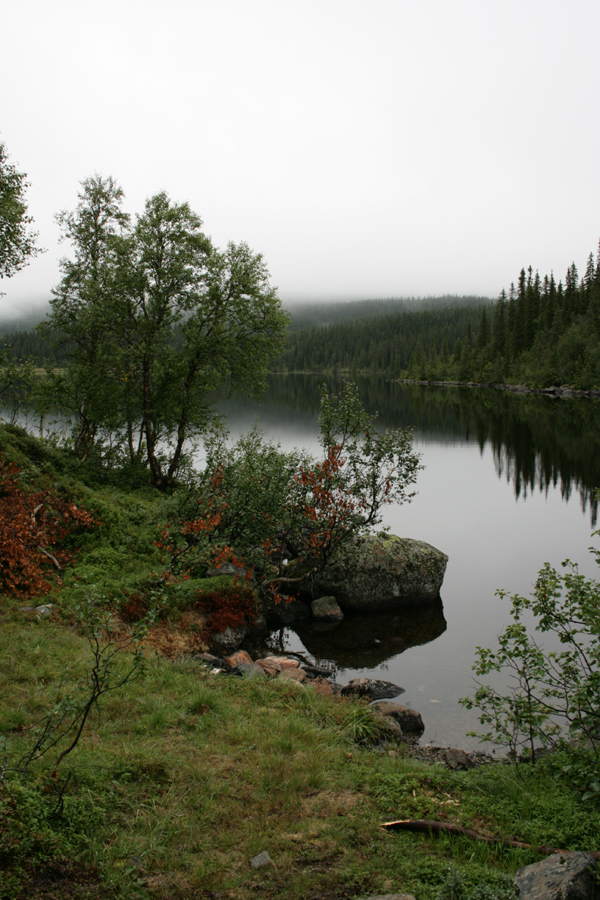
(322, 687)
(214, 662)
(269, 666)
(273, 665)
(262, 859)
(371, 688)
(226, 569)
(326, 609)
(318, 671)
(391, 728)
(429, 754)
(457, 759)
(229, 640)
(249, 670)
(285, 663)
(409, 720)
(293, 675)
(241, 656)
(558, 877)
(41, 611)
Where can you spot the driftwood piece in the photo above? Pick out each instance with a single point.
(431, 827)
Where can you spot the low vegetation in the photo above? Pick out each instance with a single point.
(175, 778)
(182, 778)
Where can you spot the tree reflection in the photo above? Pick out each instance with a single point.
(538, 442)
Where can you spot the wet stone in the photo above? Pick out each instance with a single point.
(371, 688)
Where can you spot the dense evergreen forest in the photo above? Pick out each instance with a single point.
(315, 315)
(382, 343)
(540, 334)
(366, 335)
(31, 345)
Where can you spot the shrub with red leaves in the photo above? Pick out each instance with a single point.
(33, 527)
(134, 608)
(228, 608)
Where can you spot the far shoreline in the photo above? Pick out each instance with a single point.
(563, 392)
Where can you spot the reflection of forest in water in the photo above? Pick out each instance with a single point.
(538, 442)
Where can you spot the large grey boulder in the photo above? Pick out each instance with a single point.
(381, 571)
(562, 876)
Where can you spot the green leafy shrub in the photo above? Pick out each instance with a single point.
(554, 701)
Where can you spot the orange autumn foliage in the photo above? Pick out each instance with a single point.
(33, 527)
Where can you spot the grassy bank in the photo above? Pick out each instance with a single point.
(181, 777)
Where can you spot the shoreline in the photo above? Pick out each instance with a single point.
(565, 392)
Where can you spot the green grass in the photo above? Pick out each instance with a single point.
(181, 776)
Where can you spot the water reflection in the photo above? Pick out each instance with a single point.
(366, 641)
(538, 442)
(505, 477)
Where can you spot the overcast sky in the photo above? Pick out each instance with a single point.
(368, 148)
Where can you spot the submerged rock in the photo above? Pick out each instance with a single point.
(379, 572)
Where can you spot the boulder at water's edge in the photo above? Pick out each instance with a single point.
(381, 571)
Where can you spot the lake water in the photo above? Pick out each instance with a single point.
(508, 484)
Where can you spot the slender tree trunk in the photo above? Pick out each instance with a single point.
(156, 474)
(183, 424)
(130, 441)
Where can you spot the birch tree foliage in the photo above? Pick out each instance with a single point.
(155, 318)
(17, 240)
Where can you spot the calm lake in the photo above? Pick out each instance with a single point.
(508, 484)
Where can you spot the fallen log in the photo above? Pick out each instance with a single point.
(428, 826)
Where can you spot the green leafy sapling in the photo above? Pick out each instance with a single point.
(553, 701)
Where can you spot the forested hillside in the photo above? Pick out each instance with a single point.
(540, 334)
(366, 335)
(30, 344)
(315, 314)
(382, 343)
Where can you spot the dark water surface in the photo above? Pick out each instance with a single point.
(508, 484)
